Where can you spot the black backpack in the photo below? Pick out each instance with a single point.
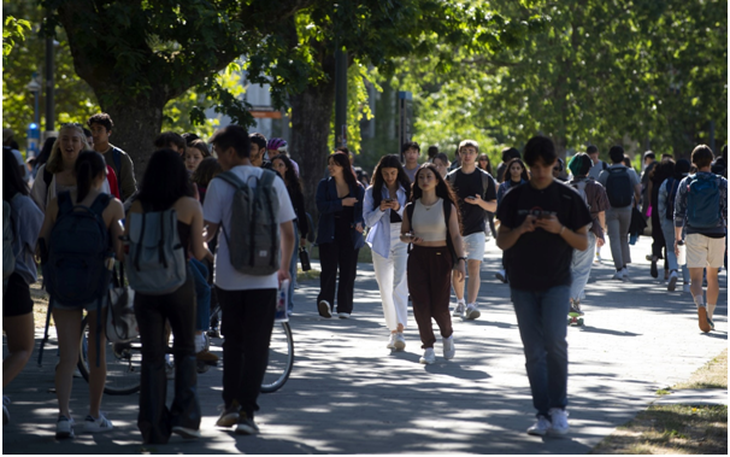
(618, 187)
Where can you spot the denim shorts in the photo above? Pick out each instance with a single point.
(474, 244)
(92, 306)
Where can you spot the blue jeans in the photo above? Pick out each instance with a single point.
(541, 319)
(580, 268)
(202, 295)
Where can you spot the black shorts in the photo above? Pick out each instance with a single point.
(16, 300)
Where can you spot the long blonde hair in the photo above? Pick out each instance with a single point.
(55, 161)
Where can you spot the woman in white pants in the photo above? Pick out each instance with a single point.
(383, 212)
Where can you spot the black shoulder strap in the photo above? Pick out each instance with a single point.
(409, 210)
(449, 242)
(47, 177)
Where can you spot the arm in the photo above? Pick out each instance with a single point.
(197, 240)
(286, 230)
(324, 205)
(48, 221)
(371, 215)
(358, 221)
(39, 191)
(602, 221)
(490, 205)
(302, 221)
(637, 193)
(507, 237)
(116, 229)
(126, 175)
(460, 266)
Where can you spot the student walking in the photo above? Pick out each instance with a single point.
(410, 151)
(247, 293)
(25, 220)
(483, 162)
(515, 175)
(383, 209)
(339, 235)
(541, 224)
(101, 126)
(701, 207)
(93, 241)
(594, 196)
(624, 192)
(431, 225)
(665, 207)
(166, 195)
(477, 194)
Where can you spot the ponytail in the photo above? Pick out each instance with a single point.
(88, 166)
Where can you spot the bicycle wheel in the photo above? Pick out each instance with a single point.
(123, 363)
(281, 358)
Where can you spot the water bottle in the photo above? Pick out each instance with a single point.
(682, 256)
(281, 302)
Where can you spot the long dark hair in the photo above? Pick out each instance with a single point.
(443, 189)
(165, 181)
(508, 176)
(293, 185)
(343, 160)
(489, 163)
(12, 182)
(87, 167)
(389, 161)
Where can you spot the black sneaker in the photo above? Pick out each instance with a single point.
(246, 425)
(654, 271)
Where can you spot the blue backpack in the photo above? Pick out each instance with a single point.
(76, 271)
(703, 201)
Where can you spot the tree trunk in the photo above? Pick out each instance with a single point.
(311, 116)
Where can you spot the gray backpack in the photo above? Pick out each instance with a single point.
(156, 264)
(253, 243)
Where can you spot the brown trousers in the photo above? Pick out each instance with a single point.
(429, 283)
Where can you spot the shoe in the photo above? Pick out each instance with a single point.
(626, 272)
(64, 428)
(391, 341)
(214, 332)
(170, 370)
(246, 425)
(673, 278)
(449, 349)
(187, 433)
(102, 424)
(539, 428)
(324, 309)
(207, 357)
(343, 315)
(501, 275)
(471, 312)
(575, 308)
(654, 272)
(685, 288)
(558, 421)
(400, 342)
(229, 416)
(702, 314)
(6, 413)
(712, 324)
(459, 309)
(428, 357)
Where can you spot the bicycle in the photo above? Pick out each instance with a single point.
(124, 361)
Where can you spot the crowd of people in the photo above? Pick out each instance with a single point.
(426, 226)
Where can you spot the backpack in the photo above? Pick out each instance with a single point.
(618, 187)
(672, 186)
(580, 186)
(703, 201)
(156, 264)
(76, 270)
(8, 238)
(254, 247)
(447, 215)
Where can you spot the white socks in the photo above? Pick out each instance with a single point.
(699, 300)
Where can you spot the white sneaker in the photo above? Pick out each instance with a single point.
(428, 357)
(685, 288)
(324, 309)
(459, 309)
(559, 421)
(539, 428)
(501, 275)
(619, 275)
(64, 428)
(391, 342)
(400, 342)
(101, 424)
(626, 272)
(186, 433)
(673, 278)
(471, 312)
(449, 349)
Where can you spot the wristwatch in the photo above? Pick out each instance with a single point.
(462, 258)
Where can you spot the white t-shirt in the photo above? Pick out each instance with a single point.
(217, 209)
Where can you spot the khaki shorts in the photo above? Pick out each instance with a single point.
(703, 251)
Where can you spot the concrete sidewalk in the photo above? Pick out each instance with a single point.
(349, 394)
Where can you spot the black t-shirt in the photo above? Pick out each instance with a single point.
(468, 185)
(540, 260)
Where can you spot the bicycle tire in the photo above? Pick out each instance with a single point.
(123, 364)
(281, 358)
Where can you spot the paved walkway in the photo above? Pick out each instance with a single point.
(348, 394)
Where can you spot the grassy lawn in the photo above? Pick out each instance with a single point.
(677, 429)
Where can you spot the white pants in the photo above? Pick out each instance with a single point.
(391, 276)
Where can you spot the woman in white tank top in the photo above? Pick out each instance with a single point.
(430, 262)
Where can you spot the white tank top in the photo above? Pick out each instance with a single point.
(428, 221)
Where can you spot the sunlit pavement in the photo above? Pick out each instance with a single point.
(349, 394)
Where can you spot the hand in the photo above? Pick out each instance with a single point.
(384, 205)
(528, 225)
(359, 227)
(676, 248)
(600, 242)
(283, 275)
(303, 242)
(550, 224)
(473, 199)
(349, 201)
(460, 270)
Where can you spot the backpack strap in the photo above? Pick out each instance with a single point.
(267, 180)
(47, 177)
(65, 205)
(410, 207)
(449, 242)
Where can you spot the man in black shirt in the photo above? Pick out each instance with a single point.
(477, 194)
(541, 223)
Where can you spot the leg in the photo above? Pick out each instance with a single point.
(384, 276)
(328, 254)
(153, 419)
(474, 267)
(624, 224)
(97, 374)
(458, 285)
(233, 346)
(400, 284)
(554, 308)
(293, 269)
(348, 271)
(20, 337)
(439, 278)
(580, 268)
(202, 295)
(615, 238)
(418, 273)
(713, 290)
(68, 328)
(474, 246)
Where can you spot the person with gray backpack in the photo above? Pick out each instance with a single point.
(624, 192)
(164, 224)
(252, 208)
